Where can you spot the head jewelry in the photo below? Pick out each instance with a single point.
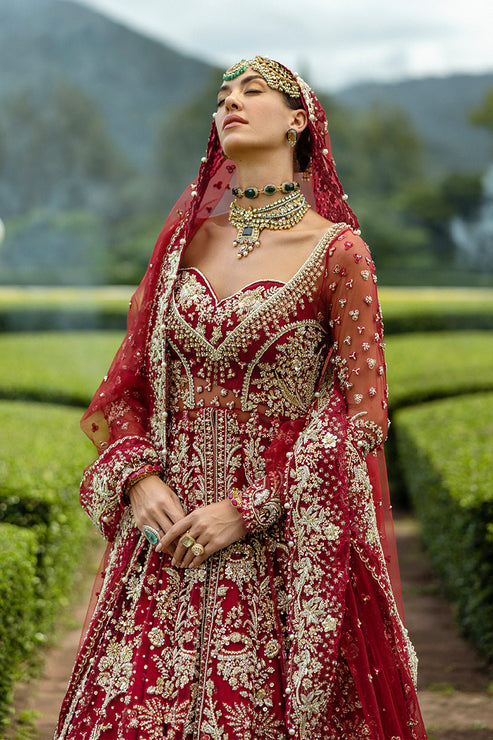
(276, 75)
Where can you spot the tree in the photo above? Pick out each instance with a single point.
(181, 142)
(482, 115)
(57, 152)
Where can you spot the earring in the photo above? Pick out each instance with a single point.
(292, 137)
(306, 176)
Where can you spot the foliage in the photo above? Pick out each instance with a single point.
(433, 205)
(54, 247)
(110, 127)
(482, 114)
(17, 624)
(422, 367)
(42, 454)
(405, 309)
(63, 367)
(183, 138)
(447, 458)
(57, 151)
(436, 309)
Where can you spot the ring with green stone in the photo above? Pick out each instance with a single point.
(151, 534)
(187, 540)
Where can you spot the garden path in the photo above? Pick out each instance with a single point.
(454, 696)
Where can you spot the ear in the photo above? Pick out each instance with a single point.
(299, 120)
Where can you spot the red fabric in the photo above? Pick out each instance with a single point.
(293, 632)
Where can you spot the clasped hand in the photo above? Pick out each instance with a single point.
(214, 526)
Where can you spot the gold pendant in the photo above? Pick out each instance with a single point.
(247, 240)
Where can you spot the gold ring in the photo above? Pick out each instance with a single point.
(198, 549)
(187, 540)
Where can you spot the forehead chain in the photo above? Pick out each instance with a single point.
(276, 76)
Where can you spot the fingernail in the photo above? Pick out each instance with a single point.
(173, 561)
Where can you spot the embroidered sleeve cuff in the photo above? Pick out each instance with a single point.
(367, 435)
(260, 505)
(104, 483)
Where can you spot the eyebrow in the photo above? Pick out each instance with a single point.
(245, 81)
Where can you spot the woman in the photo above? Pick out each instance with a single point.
(245, 591)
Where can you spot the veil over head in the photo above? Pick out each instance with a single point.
(209, 193)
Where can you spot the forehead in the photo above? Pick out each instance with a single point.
(247, 76)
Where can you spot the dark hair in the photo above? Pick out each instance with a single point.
(303, 148)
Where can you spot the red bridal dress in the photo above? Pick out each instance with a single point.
(279, 390)
(295, 627)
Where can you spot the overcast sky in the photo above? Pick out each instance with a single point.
(333, 43)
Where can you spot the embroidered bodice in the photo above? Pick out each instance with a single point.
(262, 349)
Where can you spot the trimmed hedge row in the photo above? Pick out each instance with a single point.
(17, 624)
(42, 454)
(407, 310)
(446, 457)
(67, 367)
(404, 309)
(423, 367)
(54, 366)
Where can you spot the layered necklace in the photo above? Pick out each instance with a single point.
(282, 214)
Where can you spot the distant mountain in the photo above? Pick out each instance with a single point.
(134, 80)
(439, 110)
(87, 167)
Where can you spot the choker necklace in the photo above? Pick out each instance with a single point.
(282, 214)
(251, 192)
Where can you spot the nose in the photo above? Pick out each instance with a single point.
(231, 102)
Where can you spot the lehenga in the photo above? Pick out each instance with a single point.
(278, 390)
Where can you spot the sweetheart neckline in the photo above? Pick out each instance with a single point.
(218, 300)
(337, 230)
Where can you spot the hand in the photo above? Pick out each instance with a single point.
(214, 526)
(155, 504)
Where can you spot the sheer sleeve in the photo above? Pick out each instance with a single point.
(349, 303)
(357, 331)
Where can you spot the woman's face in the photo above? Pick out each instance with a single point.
(251, 115)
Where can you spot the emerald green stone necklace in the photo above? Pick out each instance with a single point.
(251, 192)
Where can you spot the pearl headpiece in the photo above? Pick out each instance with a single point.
(276, 76)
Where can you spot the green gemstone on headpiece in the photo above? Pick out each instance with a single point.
(236, 70)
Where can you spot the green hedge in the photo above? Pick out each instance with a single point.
(404, 309)
(408, 310)
(67, 367)
(18, 630)
(42, 454)
(55, 366)
(423, 367)
(63, 308)
(446, 456)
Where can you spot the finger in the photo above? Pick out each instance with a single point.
(160, 530)
(191, 559)
(175, 532)
(170, 549)
(199, 559)
(182, 549)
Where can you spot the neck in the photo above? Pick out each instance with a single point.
(258, 175)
